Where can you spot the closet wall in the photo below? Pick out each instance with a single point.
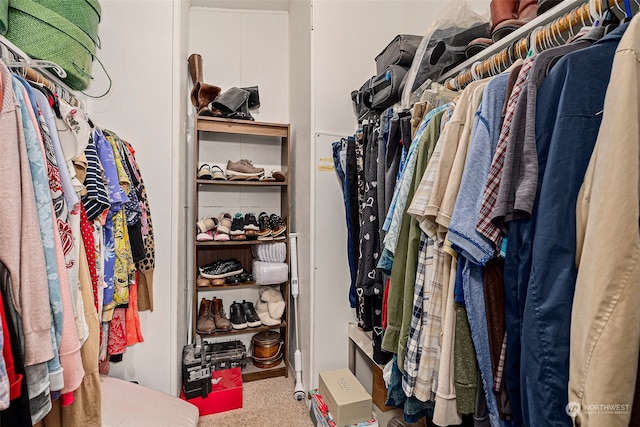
(144, 52)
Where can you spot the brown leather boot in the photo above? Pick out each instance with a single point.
(202, 93)
(220, 319)
(205, 323)
(503, 10)
(525, 11)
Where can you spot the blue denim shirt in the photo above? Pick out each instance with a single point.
(463, 235)
(568, 116)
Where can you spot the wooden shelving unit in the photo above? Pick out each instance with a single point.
(206, 252)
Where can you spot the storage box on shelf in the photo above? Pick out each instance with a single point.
(217, 141)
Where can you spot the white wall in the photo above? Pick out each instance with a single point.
(300, 101)
(245, 48)
(139, 45)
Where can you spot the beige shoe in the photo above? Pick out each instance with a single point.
(243, 169)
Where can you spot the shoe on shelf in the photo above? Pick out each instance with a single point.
(243, 169)
(207, 223)
(224, 222)
(246, 277)
(251, 226)
(280, 237)
(278, 226)
(207, 236)
(221, 237)
(217, 174)
(219, 317)
(237, 228)
(267, 177)
(205, 323)
(238, 321)
(204, 172)
(218, 282)
(278, 175)
(253, 320)
(203, 281)
(265, 227)
(221, 268)
(233, 280)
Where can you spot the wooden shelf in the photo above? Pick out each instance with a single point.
(245, 127)
(253, 373)
(238, 243)
(244, 331)
(239, 286)
(243, 183)
(277, 139)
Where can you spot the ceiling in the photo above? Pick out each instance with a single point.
(244, 4)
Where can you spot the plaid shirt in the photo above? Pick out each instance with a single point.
(497, 379)
(414, 349)
(484, 225)
(426, 382)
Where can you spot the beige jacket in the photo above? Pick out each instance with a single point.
(605, 321)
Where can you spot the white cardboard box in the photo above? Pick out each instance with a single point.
(347, 400)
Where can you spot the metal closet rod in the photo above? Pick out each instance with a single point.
(34, 71)
(544, 37)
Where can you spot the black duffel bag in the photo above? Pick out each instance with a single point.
(386, 87)
(400, 51)
(361, 100)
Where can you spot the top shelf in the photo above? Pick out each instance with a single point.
(244, 127)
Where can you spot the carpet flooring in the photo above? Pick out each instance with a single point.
(265, 403)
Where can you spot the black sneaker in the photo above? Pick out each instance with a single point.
(233, 280)
(246, 277)
(253, 320)
(251, 226)
(250, 222)
(238, 320)
(237, 228)
(221, 268)
(265, 227)
(278, 226)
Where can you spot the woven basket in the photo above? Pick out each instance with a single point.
(84, 13)
(43, 34)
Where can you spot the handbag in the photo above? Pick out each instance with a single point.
(386, 87)
(400, 51)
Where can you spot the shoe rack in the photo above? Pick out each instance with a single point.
(267, 138)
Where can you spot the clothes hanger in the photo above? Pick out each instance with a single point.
(628, 14)
(474, 75)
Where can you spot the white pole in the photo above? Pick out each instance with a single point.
(298, 391)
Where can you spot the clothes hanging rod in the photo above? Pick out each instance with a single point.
(546, 29)
(34, 71)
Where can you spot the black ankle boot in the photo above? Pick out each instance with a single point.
(234, 104)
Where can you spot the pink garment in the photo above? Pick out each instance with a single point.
(69, 350)
(21, 249)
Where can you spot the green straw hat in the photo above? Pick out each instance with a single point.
(4, 15)
(43, 34)
(84, 13)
